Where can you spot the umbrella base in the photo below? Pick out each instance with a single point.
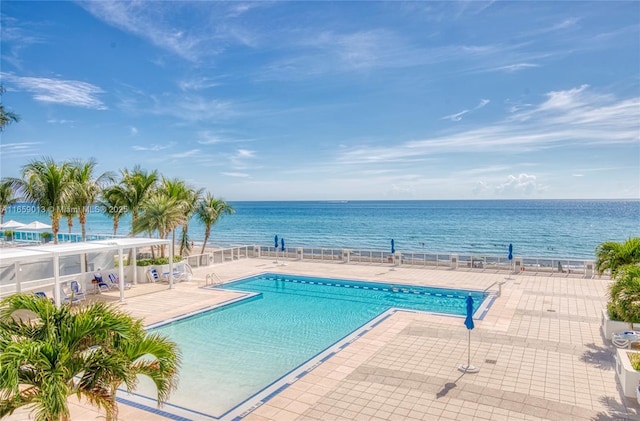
(468, 368)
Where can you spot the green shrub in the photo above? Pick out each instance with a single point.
(612, 312)
(158, 261)
(634, 357)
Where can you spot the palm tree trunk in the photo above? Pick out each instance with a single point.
(115, 225)
(82, 217)
(207, 232)
(55, 225)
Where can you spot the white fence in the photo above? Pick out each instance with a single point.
(524, 265)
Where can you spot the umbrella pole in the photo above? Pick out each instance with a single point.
(469, 353)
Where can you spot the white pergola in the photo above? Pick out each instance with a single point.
(22, 255)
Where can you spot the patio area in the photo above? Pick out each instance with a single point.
(539, 350)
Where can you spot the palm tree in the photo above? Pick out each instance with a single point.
(134, 188)
(87, 351)
(86, 187)
(162, 214)
(209, 212)
(112, 204)
(612, 256)
(6, 117)
(47, 184)
(188, 198)
(69, 212)
(624, 294)
(7, 197)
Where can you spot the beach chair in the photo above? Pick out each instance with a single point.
(153, 276)
(76, 291)
(100, 284)
(69, 295)
(625, 339)
(43, 294)
(115, 281)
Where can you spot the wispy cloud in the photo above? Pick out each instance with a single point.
(65, 92)
(133, 131)
(186, 154)
(153, 147)
(511, 68)
(235, 174)
(208, 34)
(20, 149)
(458, 116)
(565, 117)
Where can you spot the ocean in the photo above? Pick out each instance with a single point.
(536, 228)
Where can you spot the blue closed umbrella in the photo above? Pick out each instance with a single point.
(468, 322)
(275, 240)
(510, 251)
(393, 246)
(282, 244)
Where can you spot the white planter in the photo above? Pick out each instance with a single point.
(609, 326)
(627, 376)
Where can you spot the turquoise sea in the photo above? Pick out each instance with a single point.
(536, 228)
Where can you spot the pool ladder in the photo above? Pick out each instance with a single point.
(212, 280)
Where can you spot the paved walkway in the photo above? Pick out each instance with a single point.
(539, 350)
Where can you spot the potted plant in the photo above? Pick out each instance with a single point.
(628, 371)
(46, 236)
(8, 235)
(621, 260)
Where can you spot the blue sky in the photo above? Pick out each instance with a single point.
(333, 100)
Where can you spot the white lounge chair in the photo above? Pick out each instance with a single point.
(115, 281)
(625, 339)
(152, 275)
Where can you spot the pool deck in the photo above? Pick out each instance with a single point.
(539, 351)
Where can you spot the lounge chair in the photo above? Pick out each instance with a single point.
(43, 294)
(625, 339)
(115, 281)
(100, 283)
(76, 291)
(70, 296)
(152, 275)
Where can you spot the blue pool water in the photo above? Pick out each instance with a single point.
(233, 352)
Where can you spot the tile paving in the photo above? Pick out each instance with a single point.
(539, 350)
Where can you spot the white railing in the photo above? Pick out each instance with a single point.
(525, 265)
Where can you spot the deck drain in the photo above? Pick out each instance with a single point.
(550, 310)
(490, 361)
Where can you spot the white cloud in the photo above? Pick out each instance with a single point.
(521, 184)
(245, 153)
(458, 116)
(133, 131)
(235, 174)
(66, 92)
(153, 147)
(20, 150)
(565, 117)
(511, 68)
(186, 154)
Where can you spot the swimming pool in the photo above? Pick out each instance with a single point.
(232, 354)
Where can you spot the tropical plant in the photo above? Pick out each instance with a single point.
(612, 255)
(134, 188)
(161, 214)
(188, 198)
(624, 295)
(87, 351)
(6, 117)
(209, 211)
(8, 235)
(47, 184)
(113, 205)
(86, 187)
(7, 197)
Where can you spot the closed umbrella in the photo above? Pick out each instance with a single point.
(275, 241)
(468, 322)
(282, 245)
(511, 255)
(393, 246)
